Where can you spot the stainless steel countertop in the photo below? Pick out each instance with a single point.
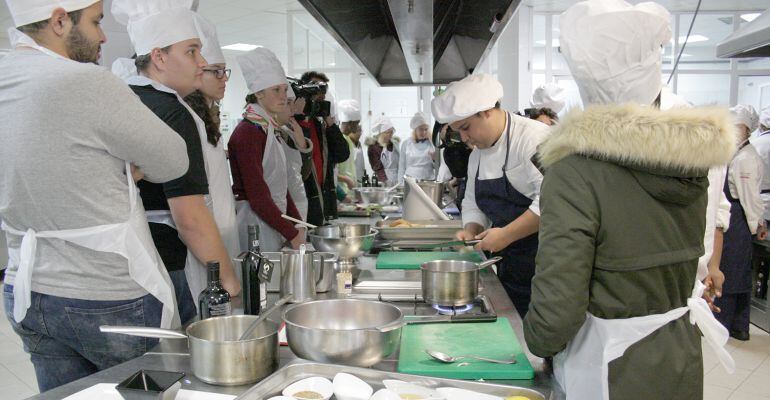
(172, 355)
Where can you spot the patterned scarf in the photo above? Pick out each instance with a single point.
(256, 114)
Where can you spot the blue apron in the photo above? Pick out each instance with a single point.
(737, 249)
(502, 204)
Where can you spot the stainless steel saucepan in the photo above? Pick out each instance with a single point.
(217, 355)
(452, 282)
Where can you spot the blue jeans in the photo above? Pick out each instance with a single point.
(63, 339)
(184, 300)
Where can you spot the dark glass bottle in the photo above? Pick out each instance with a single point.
(214, 301)
(365, 180)
(250, 273)
(375, 181)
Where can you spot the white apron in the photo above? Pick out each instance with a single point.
(389, 161)
(582, 369)
(294, 173)
(360, 167)
(276, 177)
(130, 239)
(419, 161)
(221, 202)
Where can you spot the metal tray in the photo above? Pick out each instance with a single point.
(275, 383)
(433, 230)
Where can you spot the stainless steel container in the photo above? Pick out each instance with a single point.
(451, 282)
(434, 190)
(347, 240)
(373, 195)
(298, 277)
(324, 267)
(216, 355)
(344, 331)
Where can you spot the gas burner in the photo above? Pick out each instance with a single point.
(452, 310)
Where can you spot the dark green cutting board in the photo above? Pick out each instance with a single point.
(413, 259)
(491, 339)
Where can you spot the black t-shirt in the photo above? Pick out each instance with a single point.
(155, 196)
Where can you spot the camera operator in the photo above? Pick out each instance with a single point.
(329, 146)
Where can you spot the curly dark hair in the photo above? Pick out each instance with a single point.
(533, 113)
(310, 75)
(209, 115)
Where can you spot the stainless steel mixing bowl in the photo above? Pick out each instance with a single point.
(347, 240)
(344, 331)
(373, 195)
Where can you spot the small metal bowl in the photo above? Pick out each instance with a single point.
(373, 195)
(151, 385)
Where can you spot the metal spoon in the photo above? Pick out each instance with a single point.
(449, 359)
(263, 316)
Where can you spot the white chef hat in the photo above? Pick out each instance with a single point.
(550, 96)
(383, 124)
(25, 12)
(350, 110)
(466, 97)
(211, 50)
(764, 117)
(124, 68)
(613, 49)
(746, 115)
(418, 120)
(156, 23)
(261, 69)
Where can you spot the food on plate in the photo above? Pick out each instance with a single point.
(308, 394)
(402, 223)
(408, 396)
(516, 398)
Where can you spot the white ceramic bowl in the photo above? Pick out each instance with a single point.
(315, 384)
(350, 387)
(385, 394)
(404, 388)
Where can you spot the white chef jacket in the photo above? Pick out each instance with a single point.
(717, 216)
(524, 137)
(761, 144)
(744, 179)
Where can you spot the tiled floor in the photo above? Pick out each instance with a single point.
(751, 381)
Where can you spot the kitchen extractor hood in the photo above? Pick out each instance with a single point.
(414, 42)
(751, 40)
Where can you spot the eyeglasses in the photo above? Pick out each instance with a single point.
(219, 73)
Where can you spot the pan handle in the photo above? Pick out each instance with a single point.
(391, 326)
(143, 332)
(489, 262)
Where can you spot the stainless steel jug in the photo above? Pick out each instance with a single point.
(298, 275)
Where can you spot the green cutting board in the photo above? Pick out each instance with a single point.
(413, 259)
(490, 339)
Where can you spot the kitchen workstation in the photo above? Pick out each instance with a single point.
(376, 307)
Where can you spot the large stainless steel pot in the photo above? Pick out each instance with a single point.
(344, 331)
(216, 354)
(435, 191)
(452, 282)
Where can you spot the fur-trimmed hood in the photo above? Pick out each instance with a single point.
(678, 141)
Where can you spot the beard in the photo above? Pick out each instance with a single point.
(81, 49)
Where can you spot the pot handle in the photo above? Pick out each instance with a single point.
(391, 326)
(143, 331)
(489, 262)
(322, 256)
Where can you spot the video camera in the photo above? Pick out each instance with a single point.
(317, 108)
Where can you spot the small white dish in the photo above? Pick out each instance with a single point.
(281, 398)
(350, 387)
(411, 390)
(316, 384)
(464, 394)
(385, 394)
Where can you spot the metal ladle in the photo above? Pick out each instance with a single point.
(445, 358)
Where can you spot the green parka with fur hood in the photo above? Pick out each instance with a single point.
(623, 204)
